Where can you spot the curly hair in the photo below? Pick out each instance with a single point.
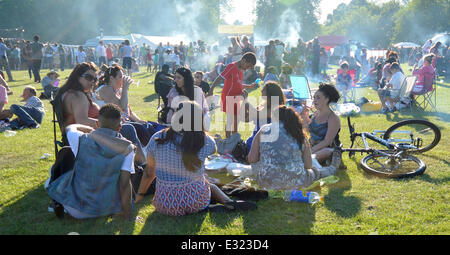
(330, 92)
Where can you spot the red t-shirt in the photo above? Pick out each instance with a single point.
(109, 53)
(233, 77)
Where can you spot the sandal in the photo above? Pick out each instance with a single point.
(241, 205)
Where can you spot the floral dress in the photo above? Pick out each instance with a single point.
(281, 165)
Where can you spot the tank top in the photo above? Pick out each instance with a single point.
(319, 131)
(70, 118)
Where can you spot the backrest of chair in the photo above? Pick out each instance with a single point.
(402, 88)
(57, 106)
(300, 87)
(409, 81)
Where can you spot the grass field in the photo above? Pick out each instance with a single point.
(358, 204)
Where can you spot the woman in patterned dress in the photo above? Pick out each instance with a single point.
(175, 156)
(281, 154)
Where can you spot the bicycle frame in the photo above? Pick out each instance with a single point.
(365, 136)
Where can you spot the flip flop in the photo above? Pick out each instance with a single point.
(241, 205)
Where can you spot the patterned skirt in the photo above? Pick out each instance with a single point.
(178, 199)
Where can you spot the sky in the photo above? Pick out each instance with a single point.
(243, 10)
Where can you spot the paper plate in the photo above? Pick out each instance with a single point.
(237, 169)
(215, 166)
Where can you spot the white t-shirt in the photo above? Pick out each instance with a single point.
(100, 51)
(396, 80)
(74, 137)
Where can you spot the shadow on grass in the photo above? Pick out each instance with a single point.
(339, 203)
(439, 84)
(273, 216)
(151, 98)
(406, 114)
(29, 215)
(160, 224)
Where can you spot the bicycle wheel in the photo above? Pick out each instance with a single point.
(422, 134)
(393, 167)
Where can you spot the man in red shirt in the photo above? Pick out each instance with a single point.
(233, 87)
(109, 54)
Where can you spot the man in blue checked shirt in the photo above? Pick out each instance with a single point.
(4, 59)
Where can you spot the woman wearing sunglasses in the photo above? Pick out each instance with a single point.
(78, 106)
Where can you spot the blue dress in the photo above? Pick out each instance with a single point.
(258, 126)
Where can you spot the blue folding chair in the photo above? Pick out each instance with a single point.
(300, 90)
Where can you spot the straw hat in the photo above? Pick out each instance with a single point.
(52, 72)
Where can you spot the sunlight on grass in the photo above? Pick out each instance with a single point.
(358, 204)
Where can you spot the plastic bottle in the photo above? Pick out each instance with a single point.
(9, 133)
(259, 82)
(302, 196)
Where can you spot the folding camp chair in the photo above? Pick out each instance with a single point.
(426, 98)
(351, 92)
(406, 90)
(300, 87)
(57, 118)
(353, 86)
(301, 90)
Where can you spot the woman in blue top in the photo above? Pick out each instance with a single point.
(273, 97)
(324, 125)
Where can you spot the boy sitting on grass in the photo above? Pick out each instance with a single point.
(99, 183)
(392, 89)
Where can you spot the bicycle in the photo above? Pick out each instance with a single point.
(401, 141)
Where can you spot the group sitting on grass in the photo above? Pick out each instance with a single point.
(174, 157)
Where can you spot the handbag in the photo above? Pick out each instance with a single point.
(239, 152)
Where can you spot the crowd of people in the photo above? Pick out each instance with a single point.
(110, 145)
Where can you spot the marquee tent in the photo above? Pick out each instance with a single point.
(136, 39)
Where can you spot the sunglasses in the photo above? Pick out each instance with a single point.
(89, 77)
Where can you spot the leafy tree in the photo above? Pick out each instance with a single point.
(277, 16)
(421, 19)
(73, 22)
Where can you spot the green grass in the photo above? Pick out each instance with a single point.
(358, 204)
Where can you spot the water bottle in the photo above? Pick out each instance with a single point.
(302, 196)
(9, 133)
(259, 82)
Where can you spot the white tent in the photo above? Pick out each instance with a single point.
(93, 42)
(406, 45)
(444, 38)
(154, 41)
(137, 39)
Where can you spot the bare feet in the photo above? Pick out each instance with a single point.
(336, 158)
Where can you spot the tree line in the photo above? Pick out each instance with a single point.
(72, 22)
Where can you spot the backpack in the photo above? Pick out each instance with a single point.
(239, 152)
(162, 117)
